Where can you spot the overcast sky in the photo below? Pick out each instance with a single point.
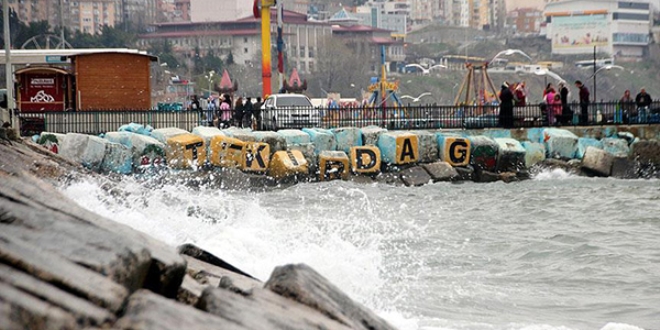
(513, 4)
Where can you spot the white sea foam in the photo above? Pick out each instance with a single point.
(554, 174)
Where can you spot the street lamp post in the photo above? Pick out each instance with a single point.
(607, 67)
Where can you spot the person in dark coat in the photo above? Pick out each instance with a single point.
(248, 109)
(257, 113)
(566, 112)
(238, 112)
(506, 106)
(584, 102)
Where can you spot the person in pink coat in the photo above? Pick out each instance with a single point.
(549, 98)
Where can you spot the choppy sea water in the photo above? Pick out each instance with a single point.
(554, 253)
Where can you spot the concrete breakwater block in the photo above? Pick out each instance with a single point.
(243, 134)
(333, 165)
(84, 149)
(255, 157)
(559, 142)
(441, 171)
(398, 148)
(226, 151)
(597, 160)
(294, 136)
(307, 149)
(616, 147)
(483, 153)
(322, 139)
(415, 176)
(511, 157)
(453, 149)
(304, 285)
(347, 137)
(118, 159)
(162, 134)
(186, 151)
(625, 168)
(146, 150)
(534, 153)
(647, 152)
(585, 142)
(51, 141)
(370, 134)
(428, 146)
(276, 141)
(365, 159)
(288, 163)
(136, 128)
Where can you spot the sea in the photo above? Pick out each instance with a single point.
(558, 252)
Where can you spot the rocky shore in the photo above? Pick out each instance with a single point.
(63, 267)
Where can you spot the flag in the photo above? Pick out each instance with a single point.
(256, 9)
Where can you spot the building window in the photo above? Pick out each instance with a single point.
(311, 52)
(631, 17)
(633, 5)
(245, 41)
(302, 51)
(245, 50)
(635, 38)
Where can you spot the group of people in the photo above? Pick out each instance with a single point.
(243, 112)
(557, 111)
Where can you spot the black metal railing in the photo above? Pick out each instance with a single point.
(393, 118)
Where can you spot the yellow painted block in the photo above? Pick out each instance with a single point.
(287, 163)
(256, 157)
(407, 149)
(365, 159)
(333, 165)
(456, 151)
(226, 151)
(186, 150)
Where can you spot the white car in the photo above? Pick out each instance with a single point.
(281, 111)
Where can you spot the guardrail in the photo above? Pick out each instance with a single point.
(393, 118)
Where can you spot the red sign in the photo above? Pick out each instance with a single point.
(41, 92)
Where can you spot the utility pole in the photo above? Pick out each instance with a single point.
(9, 72)
(595, 99)
(62, 26)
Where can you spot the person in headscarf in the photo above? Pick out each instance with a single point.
(506, 106)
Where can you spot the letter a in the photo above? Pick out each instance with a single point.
(407, 151)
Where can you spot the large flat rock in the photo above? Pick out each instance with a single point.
(83, 149)
(646, 152)
(415, 176)
(597, 160)
(441, 171)
(560, 142)
(615, 146)
(585, 142)
(146, 150)
(304, 285)
(23, 311)
(264, 309)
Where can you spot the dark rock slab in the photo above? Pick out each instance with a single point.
(389, 178)
(58, 271)
(304, 285)
(441, 171)
(84, 312)
(264, 309)
(646, 152)
(149, 311)
(19, 310)
(484, 176)
(415, 176)
(202, 255)
(465, 173)
(624, 168)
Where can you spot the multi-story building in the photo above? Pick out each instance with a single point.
(525, 20)
(421, 11)
(242, 38)
(371, 16)
(371, 40)
(619, 28)
(478, 14)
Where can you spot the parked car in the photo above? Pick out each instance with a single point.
(289, 111)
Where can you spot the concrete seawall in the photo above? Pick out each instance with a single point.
(409, 157)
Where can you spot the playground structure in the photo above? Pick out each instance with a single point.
(477, 83)
(225, 86)
(382, 90)
(295, 84)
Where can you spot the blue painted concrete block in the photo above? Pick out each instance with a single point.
(585, 142)
(118, 159)
(511, 155)
(294, 136)
(534, 153)
(560, 142)
(347, 137)
(616, 147)
(322, 139)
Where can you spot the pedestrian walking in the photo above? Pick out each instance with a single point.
(584, 102)
(248, 109)
(238, 112)
(506, 106)
(626, 109)
(643, 102)
(225, 112)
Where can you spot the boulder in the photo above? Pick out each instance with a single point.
(441, 171)
(453, 149)
(389, 178)
(428, 146)
(136, 128)
(276, 141)
(398, 148)
(559, 142)
(323, 140)
(646, 152)
(585, 142)
(624, 168)
(415, 176)
(534, 153)
(264, 309)
(304, 285)
(485, 176)
(118, 159)
(616, 147)
(371, 134)
(51, 141)
(21, 310)
(147, 310)
(598, 161)
(294, 137)
(307, 150)
(83, 149)
(347, 137)
(35, 294)
(483, 153)
(163, 134)
(235, 179)
(207, 133)
(465, 173)
(511, 156)
(185, 151)
(199, 254)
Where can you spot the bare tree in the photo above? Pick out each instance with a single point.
(340, 67)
